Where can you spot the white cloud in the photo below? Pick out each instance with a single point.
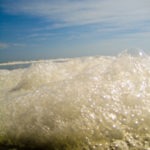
(68, 12)
(128, 21)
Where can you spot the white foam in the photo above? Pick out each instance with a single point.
(90, 103)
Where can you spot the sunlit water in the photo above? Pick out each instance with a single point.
(90, 103)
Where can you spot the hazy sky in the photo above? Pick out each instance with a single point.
(40, 29)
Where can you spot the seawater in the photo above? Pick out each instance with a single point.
(89, 103)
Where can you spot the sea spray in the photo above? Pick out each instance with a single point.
(98, 103)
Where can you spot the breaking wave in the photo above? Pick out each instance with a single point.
(98, 103)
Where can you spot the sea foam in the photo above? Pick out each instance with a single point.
(89, 103)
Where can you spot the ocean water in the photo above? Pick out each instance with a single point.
(88, 103)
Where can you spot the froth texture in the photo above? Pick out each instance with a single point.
(91, 103)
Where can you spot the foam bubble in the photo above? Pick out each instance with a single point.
(82, 103)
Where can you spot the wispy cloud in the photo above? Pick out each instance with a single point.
(3, 45)
(8, 45)
(103, 24)
(71, 13)
(17, 45)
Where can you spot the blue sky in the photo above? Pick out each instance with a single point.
(42, 29)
